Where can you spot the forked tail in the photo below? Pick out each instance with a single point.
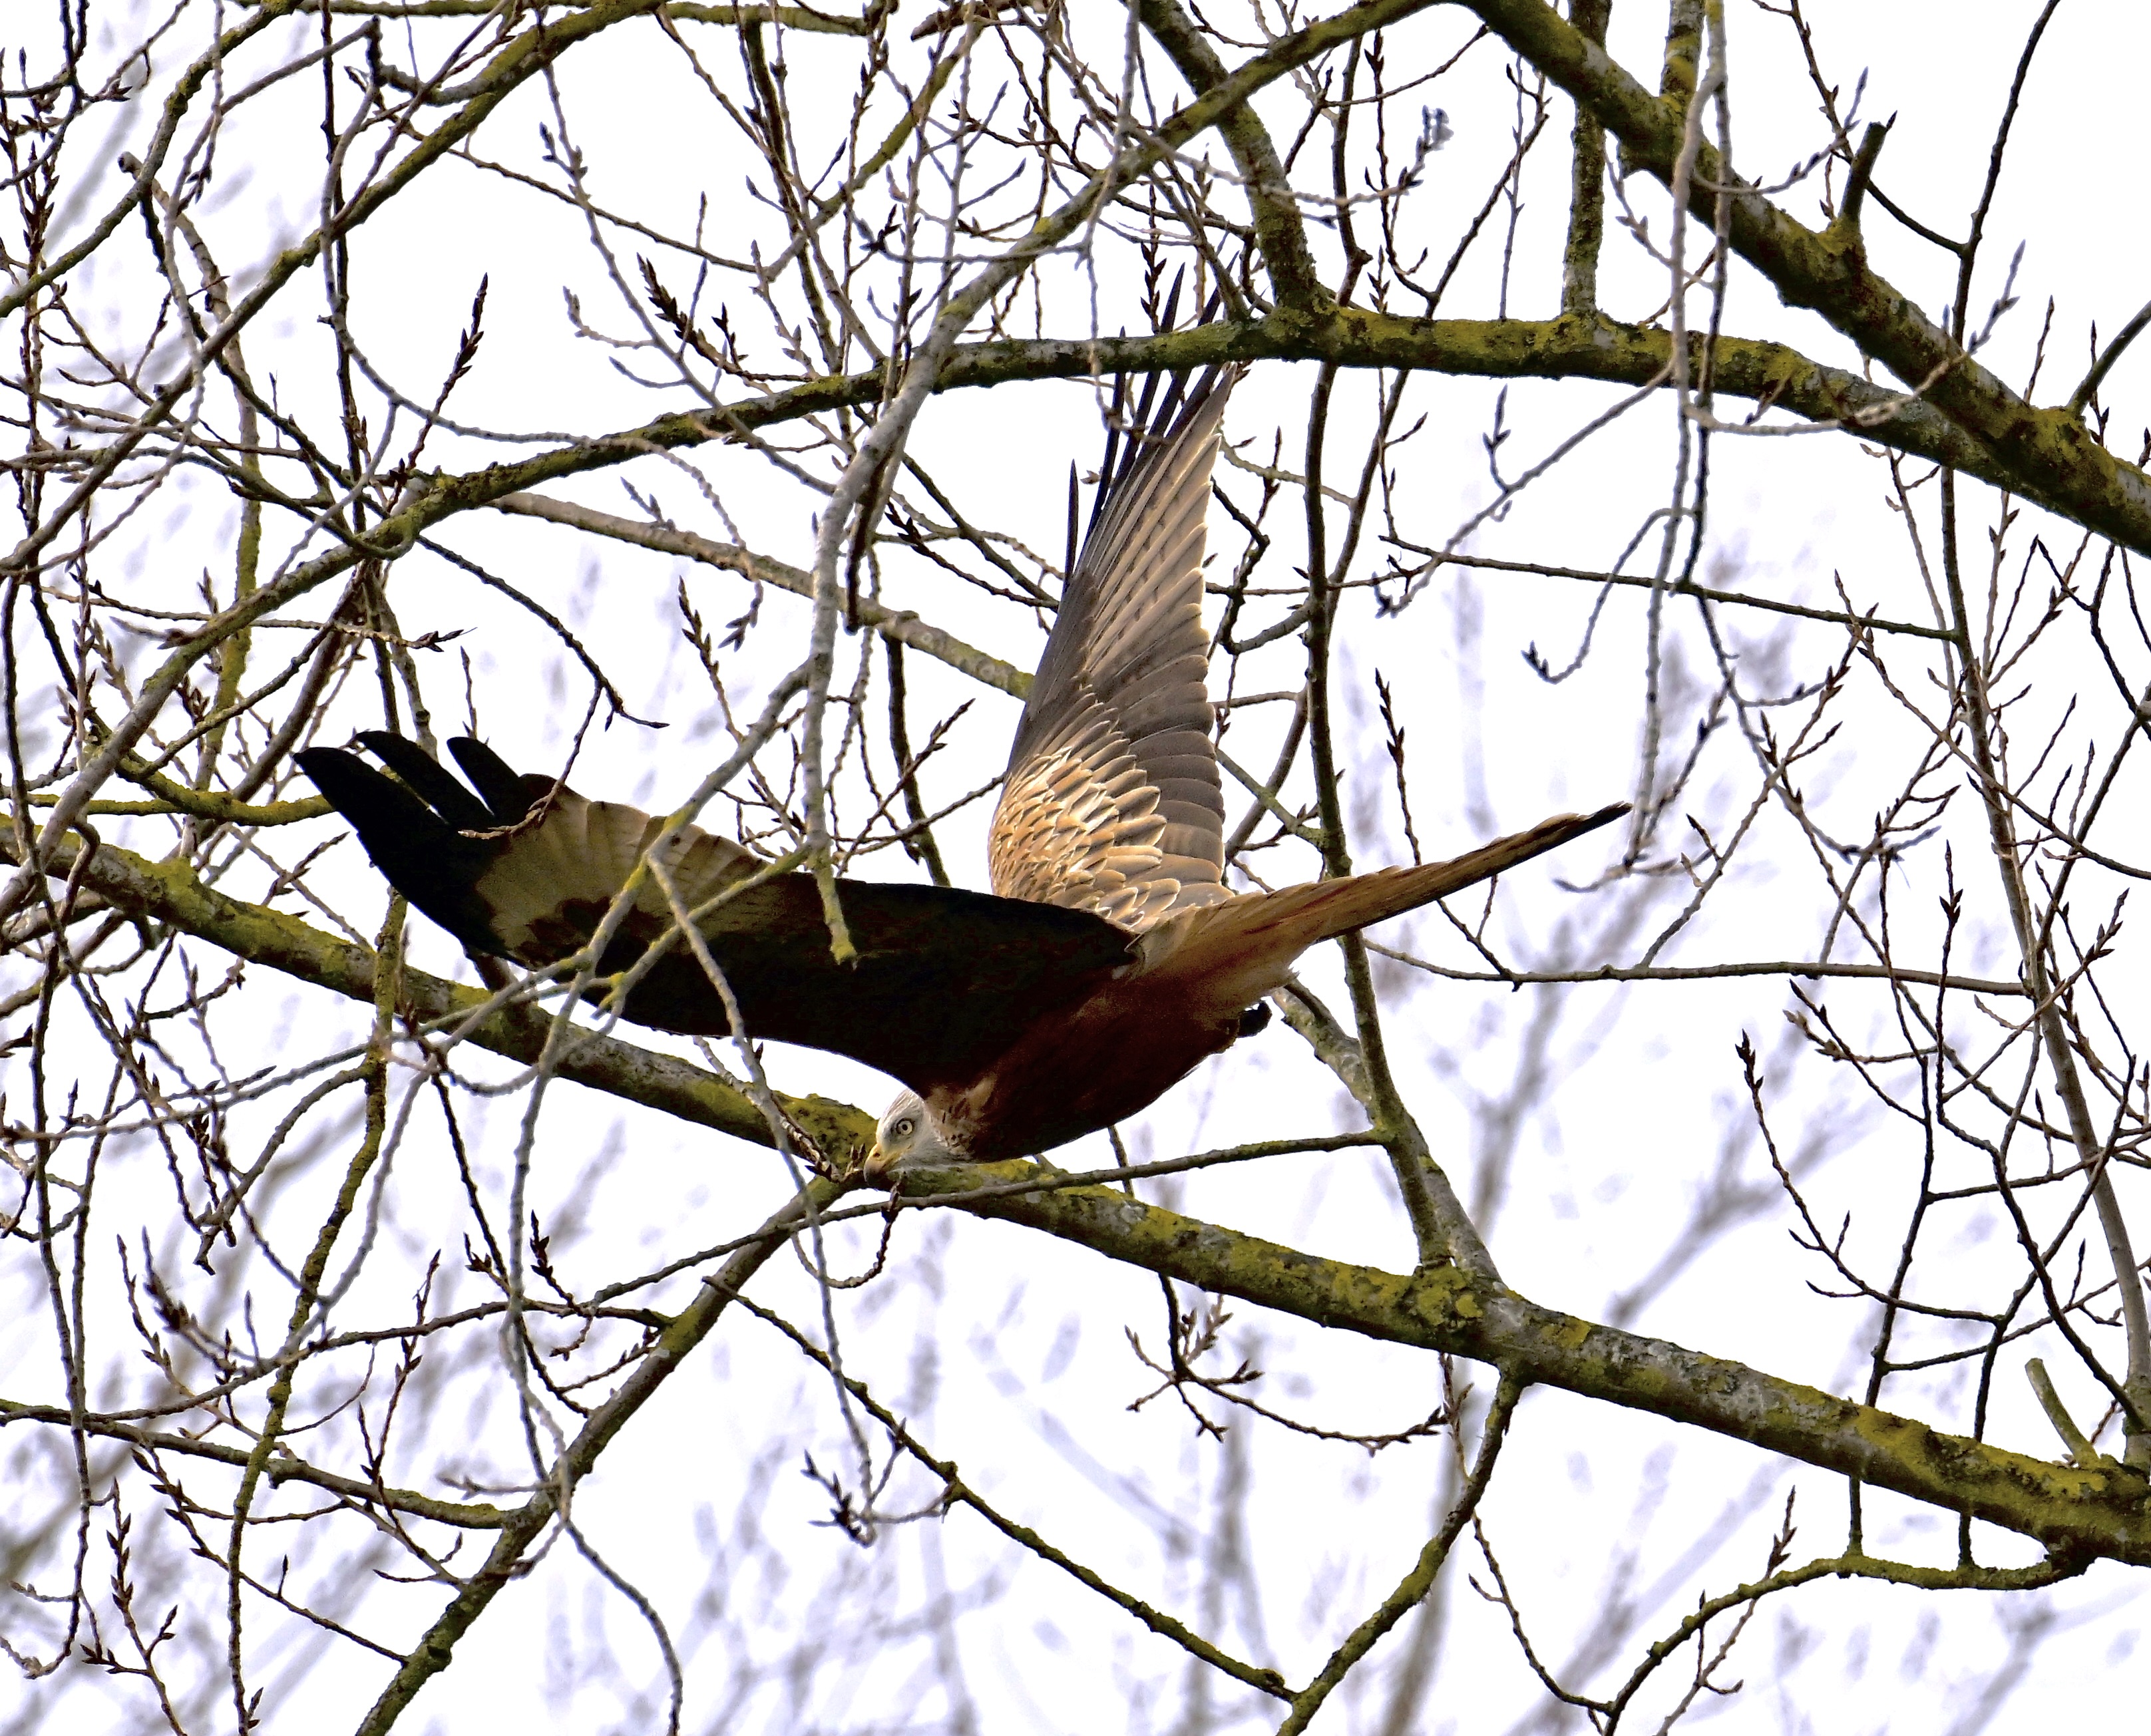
(1243, 949)
(1344, 905)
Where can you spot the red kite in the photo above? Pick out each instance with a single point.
(1110, 961)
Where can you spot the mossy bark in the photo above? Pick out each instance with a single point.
(2072, 1511)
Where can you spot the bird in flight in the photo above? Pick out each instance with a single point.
(1111, 958)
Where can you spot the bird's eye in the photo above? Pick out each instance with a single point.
(902, 1130)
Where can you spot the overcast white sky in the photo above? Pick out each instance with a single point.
(1607, 1113)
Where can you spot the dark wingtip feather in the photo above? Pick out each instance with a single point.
(1148, 432)
(417, 851)
(507, 792)
(426, 775)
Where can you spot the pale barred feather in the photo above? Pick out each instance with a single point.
(1070, 837)
(581, 854)
(1113, 802)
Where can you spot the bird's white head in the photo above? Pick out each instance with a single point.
(906, 1135)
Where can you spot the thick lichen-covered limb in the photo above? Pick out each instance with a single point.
(1587, 190)
(2112, 496)
(1566, 348)
(1683, 55)
(2046, 453)
(1279, 231)
(2070, 1510)
(168, 892)
(2103, 1510)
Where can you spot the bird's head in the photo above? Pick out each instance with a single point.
(906, 1135)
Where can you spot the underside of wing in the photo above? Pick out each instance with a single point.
(943, 980)
(1113, 802)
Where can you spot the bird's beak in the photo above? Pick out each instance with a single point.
(877, 1167)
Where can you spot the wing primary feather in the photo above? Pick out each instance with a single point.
(1114, 414)
(1172, 300)
(434, 784)
(1069, 568)
(419, 852)
(942, 979)
(507, 791)
(1139, 424)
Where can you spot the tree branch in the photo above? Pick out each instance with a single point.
(2046, 454)
(2067, 1509)
(169, 892)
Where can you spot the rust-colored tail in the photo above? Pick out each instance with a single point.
(1242, 949)
(1337, 906)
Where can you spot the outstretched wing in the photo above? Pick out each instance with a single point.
(942, 981)
(1113, 802)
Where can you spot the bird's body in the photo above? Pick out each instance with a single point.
(1184, 997)
(1109, 962)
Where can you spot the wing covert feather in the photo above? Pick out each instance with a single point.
(581, 853)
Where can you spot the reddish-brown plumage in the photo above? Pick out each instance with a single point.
(1140, 1032)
